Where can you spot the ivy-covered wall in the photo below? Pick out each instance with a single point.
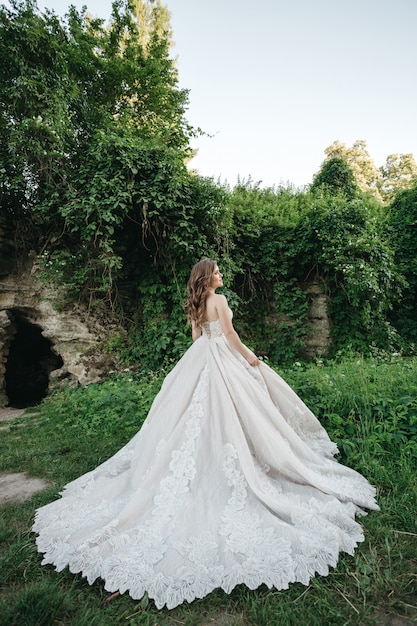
(93, 179)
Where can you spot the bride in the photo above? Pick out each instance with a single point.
(230, 480)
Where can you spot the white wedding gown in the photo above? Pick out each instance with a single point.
(230, 480)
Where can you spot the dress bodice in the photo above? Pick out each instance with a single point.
(210, 330)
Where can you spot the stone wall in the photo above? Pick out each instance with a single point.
(317, 344)
(73, 336)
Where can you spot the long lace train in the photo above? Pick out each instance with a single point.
(230, 480)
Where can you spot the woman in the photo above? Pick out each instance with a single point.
(230, 480)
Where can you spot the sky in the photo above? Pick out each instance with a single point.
(275, 82)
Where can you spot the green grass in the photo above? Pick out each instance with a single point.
(368, 407)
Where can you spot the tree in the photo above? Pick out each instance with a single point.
(94, 144)
(367, 176)
(92, 126)
(398, 173)
(37, 91)
(335, 176)
(151, 18)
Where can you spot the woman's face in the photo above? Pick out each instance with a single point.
(216, 278)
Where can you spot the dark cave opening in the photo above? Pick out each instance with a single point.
(29, 363)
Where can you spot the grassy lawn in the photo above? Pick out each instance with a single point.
(368, 407)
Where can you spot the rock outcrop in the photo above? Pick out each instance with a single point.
(41, 345)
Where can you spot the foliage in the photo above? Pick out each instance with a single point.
(361, 400)
(346, 248)
(334, 177)
(398, 173)
(367, 176)
(273, 317)
(335, 236)
(403, 234)
(107, 198)
(160, 248)
(151, 17)
(93, 132)
(369, 409)
(286, 239)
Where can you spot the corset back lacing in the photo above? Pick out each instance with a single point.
(212, 329)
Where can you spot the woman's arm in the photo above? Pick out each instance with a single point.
(230, 333)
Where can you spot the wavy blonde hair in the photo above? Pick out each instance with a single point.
(197, 290)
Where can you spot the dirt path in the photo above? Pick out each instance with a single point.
(7, 413)
(16, 487)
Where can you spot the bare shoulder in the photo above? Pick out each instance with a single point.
(215, 305)
(220, 302)
(220, 299)
(223, 311)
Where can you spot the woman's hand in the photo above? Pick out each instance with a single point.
(253, 360)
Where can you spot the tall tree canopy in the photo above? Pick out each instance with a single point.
(92, 127)
(357, 157)
(398, 173)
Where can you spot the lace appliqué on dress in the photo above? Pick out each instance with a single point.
(131, 569)
(260, 555)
